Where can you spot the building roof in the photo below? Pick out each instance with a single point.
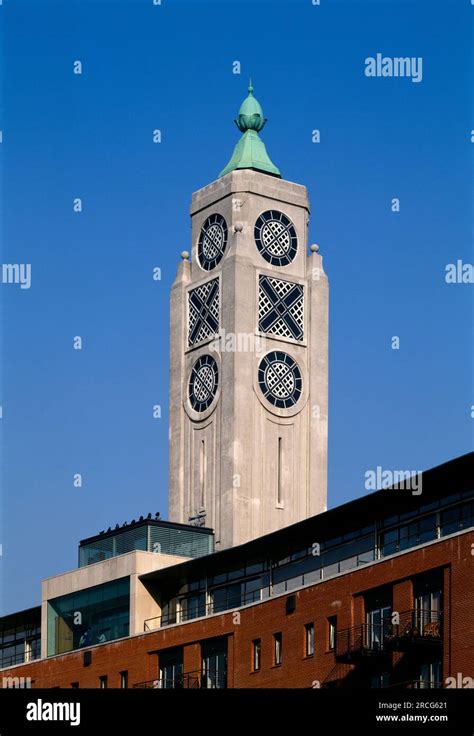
(446, 481)
(144, 522)
(19, 618)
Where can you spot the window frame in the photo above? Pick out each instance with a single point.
(309, 639)
(332, 633)
(277, 649)
(256, 655)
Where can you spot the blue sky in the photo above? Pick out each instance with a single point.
(90, 136)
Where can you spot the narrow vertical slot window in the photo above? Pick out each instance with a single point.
(202, 475)
(280, 473)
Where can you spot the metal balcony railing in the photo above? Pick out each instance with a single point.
(152, 623)
(197, 610)
(21, 658)
(360, 641)
(210, 680)
(416, 627)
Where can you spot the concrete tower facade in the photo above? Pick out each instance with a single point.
(249, 353)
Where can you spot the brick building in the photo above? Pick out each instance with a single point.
(375, 593)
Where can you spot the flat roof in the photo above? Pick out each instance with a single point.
(20, 616)
(146, 522)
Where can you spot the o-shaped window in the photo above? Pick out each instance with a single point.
(275, 238)
(212, 242)
(203, 383)
(279, 378)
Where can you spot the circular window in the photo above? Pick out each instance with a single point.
(275, 237)
(212, 242)
(279, 378)
(203, 383)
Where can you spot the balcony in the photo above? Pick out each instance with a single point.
(365, 641)
(211, 680)
(22, 652)
(200, 609)
(417, 629)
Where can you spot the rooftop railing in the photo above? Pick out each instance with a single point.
(199, 610)
(20, 658)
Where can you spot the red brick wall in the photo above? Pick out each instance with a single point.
(341, 596)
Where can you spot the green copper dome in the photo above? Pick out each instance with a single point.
(250, 151)
(250, 114)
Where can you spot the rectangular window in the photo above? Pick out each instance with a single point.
(256, 654)
(277, 642)
(193, 606)
(378, 626)
(171, 668)
(104, 616)
(124, 679)
(103, 681)
(332, 623)
(214, 663)
(309, 640)
(202, 474)
(229, 596)
(19, 640)
(409, 535)
(430, 676)
(428, 613)
(279, 471)
(75, 685)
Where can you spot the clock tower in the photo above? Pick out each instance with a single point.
(249, 353)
